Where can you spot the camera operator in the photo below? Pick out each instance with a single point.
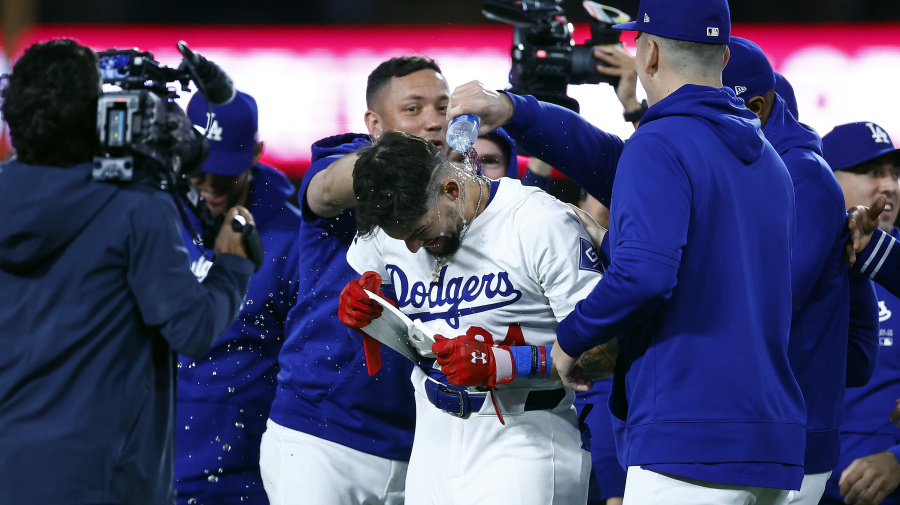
(97, 294)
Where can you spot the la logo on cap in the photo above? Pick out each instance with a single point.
(215, 131)
(878, 135)
(712, 31)
(739, 89)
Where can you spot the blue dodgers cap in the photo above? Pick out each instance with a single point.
(748, 71)
(691, 20)
(232, 135)
(850, 144)
(786, 91)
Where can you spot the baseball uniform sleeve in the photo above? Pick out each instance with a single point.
(366, 254)
(558, 254)
(862, 341)
(880, 261)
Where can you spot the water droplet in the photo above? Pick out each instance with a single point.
(212, 478)
(214, 372)
(226, 447)
(217, 439)
(238, 425)
(187, 426)
(221, 470)
(192, 501)
(230, 390)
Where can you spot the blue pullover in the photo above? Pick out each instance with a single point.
(324, 388)
(821, 291)
(224, 397)
(694, 250)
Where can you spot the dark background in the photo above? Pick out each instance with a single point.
(413, 11)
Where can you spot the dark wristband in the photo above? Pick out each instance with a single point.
(634, 116)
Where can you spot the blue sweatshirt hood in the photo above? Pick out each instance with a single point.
(44, 209)
(512, 167)
(345, 143)
(725, 114)
(784, 132)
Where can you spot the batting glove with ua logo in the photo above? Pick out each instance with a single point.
(467, 361)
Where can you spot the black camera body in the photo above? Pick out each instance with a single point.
(143, 133)
(141, 124)
(544, 58)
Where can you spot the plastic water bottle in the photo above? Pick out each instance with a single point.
(462, 132)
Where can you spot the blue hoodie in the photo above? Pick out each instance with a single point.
(224, 397)
(866, 429)
(324, 388)
(821, 291)
(97, 293)
(695, 252)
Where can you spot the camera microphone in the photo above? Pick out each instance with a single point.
(211, 80)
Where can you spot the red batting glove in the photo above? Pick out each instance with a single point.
(469, 362)
(356, 310)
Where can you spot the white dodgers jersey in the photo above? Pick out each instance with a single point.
(523, 265)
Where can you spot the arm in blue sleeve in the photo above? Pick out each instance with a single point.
(568, 142)
(532, 179)
(652, 222)
(189, 315)
(820, 223)
(880, 261)
(862, 342)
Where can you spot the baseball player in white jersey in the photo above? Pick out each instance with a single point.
(523, 262)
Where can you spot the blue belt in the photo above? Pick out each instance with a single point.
(460, 402)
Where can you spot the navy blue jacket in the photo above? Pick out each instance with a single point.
(224, 397)
(821, 291)
(97, 293)
(693, 251)
(324, 388)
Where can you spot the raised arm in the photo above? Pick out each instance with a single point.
(331, 190)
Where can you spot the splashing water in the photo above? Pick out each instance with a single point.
(471, 162)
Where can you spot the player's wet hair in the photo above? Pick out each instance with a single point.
(50, 103)
(395, 67)
(396, 181)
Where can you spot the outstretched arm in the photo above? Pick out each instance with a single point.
(504, 363)
(331, 190)
(554, 134)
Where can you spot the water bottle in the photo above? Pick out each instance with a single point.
(462, 132)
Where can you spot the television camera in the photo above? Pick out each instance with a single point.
(545, 60)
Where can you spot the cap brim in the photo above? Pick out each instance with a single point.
(865, 157)
(626, 27)
(228, 163)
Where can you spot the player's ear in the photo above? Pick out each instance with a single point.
(651, 64)
(451, 189)
(373, 124)
(257, 152)
(756, 105)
